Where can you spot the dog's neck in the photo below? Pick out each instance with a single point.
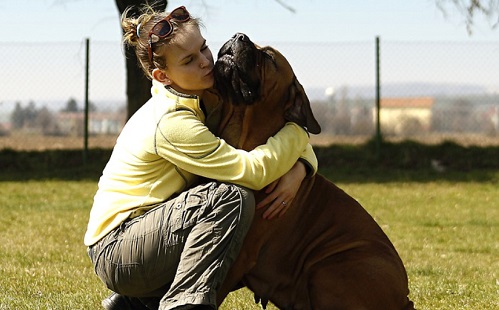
(231, 125)
(247, 126)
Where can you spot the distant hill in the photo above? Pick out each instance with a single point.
(403, 90)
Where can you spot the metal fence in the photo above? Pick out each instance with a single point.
(430, 91)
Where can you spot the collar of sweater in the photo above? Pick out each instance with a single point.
(192, 102)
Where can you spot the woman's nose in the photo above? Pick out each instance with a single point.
(205, 62)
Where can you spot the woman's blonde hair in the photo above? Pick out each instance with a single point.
(136, 35)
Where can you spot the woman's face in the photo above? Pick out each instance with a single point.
(189, 62)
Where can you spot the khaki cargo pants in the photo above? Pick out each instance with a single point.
(179, 252)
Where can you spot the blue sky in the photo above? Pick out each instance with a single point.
(313, 20)
(48, 25)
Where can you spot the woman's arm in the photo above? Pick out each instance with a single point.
(286, 188)
(282, 192)
(188, 144)
(309, 159)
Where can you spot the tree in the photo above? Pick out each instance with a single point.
(71, 106)
(17, 116)
(46, 121)
(471, 8)
(137, 84)
(30, 114)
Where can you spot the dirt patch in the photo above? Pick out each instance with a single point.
(431, 139)
(37, 142)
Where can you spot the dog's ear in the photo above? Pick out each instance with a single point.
(298, 109)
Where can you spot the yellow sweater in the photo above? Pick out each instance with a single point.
(164, 147)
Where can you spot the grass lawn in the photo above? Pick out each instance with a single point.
(446, 233)
(444, 225)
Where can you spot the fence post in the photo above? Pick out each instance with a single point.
(378, 100)
(85, 121)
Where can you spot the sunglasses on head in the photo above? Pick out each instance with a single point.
(164, 27)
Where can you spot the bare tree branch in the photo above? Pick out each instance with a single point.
(286, 6)
(471, 9)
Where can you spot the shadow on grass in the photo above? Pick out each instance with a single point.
(52, 164)
(405, 161)
(409, 161)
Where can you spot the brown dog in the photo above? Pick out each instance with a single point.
(326, 252)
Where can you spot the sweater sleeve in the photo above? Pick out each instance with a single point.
(310, 161)
(187, 143)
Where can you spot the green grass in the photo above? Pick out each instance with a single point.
(444, 225)
(446, 233)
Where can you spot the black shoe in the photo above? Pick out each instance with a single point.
(120, 302)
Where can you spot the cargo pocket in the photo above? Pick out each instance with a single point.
(186, 212)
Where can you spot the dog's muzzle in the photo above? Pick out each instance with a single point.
(236, 73)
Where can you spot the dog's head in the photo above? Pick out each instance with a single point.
(250, 75)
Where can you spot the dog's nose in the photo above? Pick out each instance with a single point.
(241, 37)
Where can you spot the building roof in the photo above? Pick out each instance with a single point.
(415, 102)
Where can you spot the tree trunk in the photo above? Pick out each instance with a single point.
(138, 86)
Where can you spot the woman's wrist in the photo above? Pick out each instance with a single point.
(299, 169)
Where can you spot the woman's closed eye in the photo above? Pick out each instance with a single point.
(190, 58)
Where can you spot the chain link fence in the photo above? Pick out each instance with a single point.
(430, 92)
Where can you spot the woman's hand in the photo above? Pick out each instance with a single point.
(282, 191)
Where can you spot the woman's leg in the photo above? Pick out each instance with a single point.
(181, 249)
(211, 247)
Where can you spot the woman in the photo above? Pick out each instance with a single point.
(154, 238)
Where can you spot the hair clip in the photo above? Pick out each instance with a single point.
(138, 29)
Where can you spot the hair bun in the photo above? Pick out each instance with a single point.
(130, 29)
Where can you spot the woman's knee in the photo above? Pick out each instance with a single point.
(248, 197)
(247, 203)
(242, 202)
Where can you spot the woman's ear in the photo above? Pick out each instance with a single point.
(160, 76)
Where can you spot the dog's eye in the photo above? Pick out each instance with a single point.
(268, 54)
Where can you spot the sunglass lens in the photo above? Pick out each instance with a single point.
(180, 14)
(163, 29)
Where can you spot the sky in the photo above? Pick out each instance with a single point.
(36, 36)
(312, 20)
